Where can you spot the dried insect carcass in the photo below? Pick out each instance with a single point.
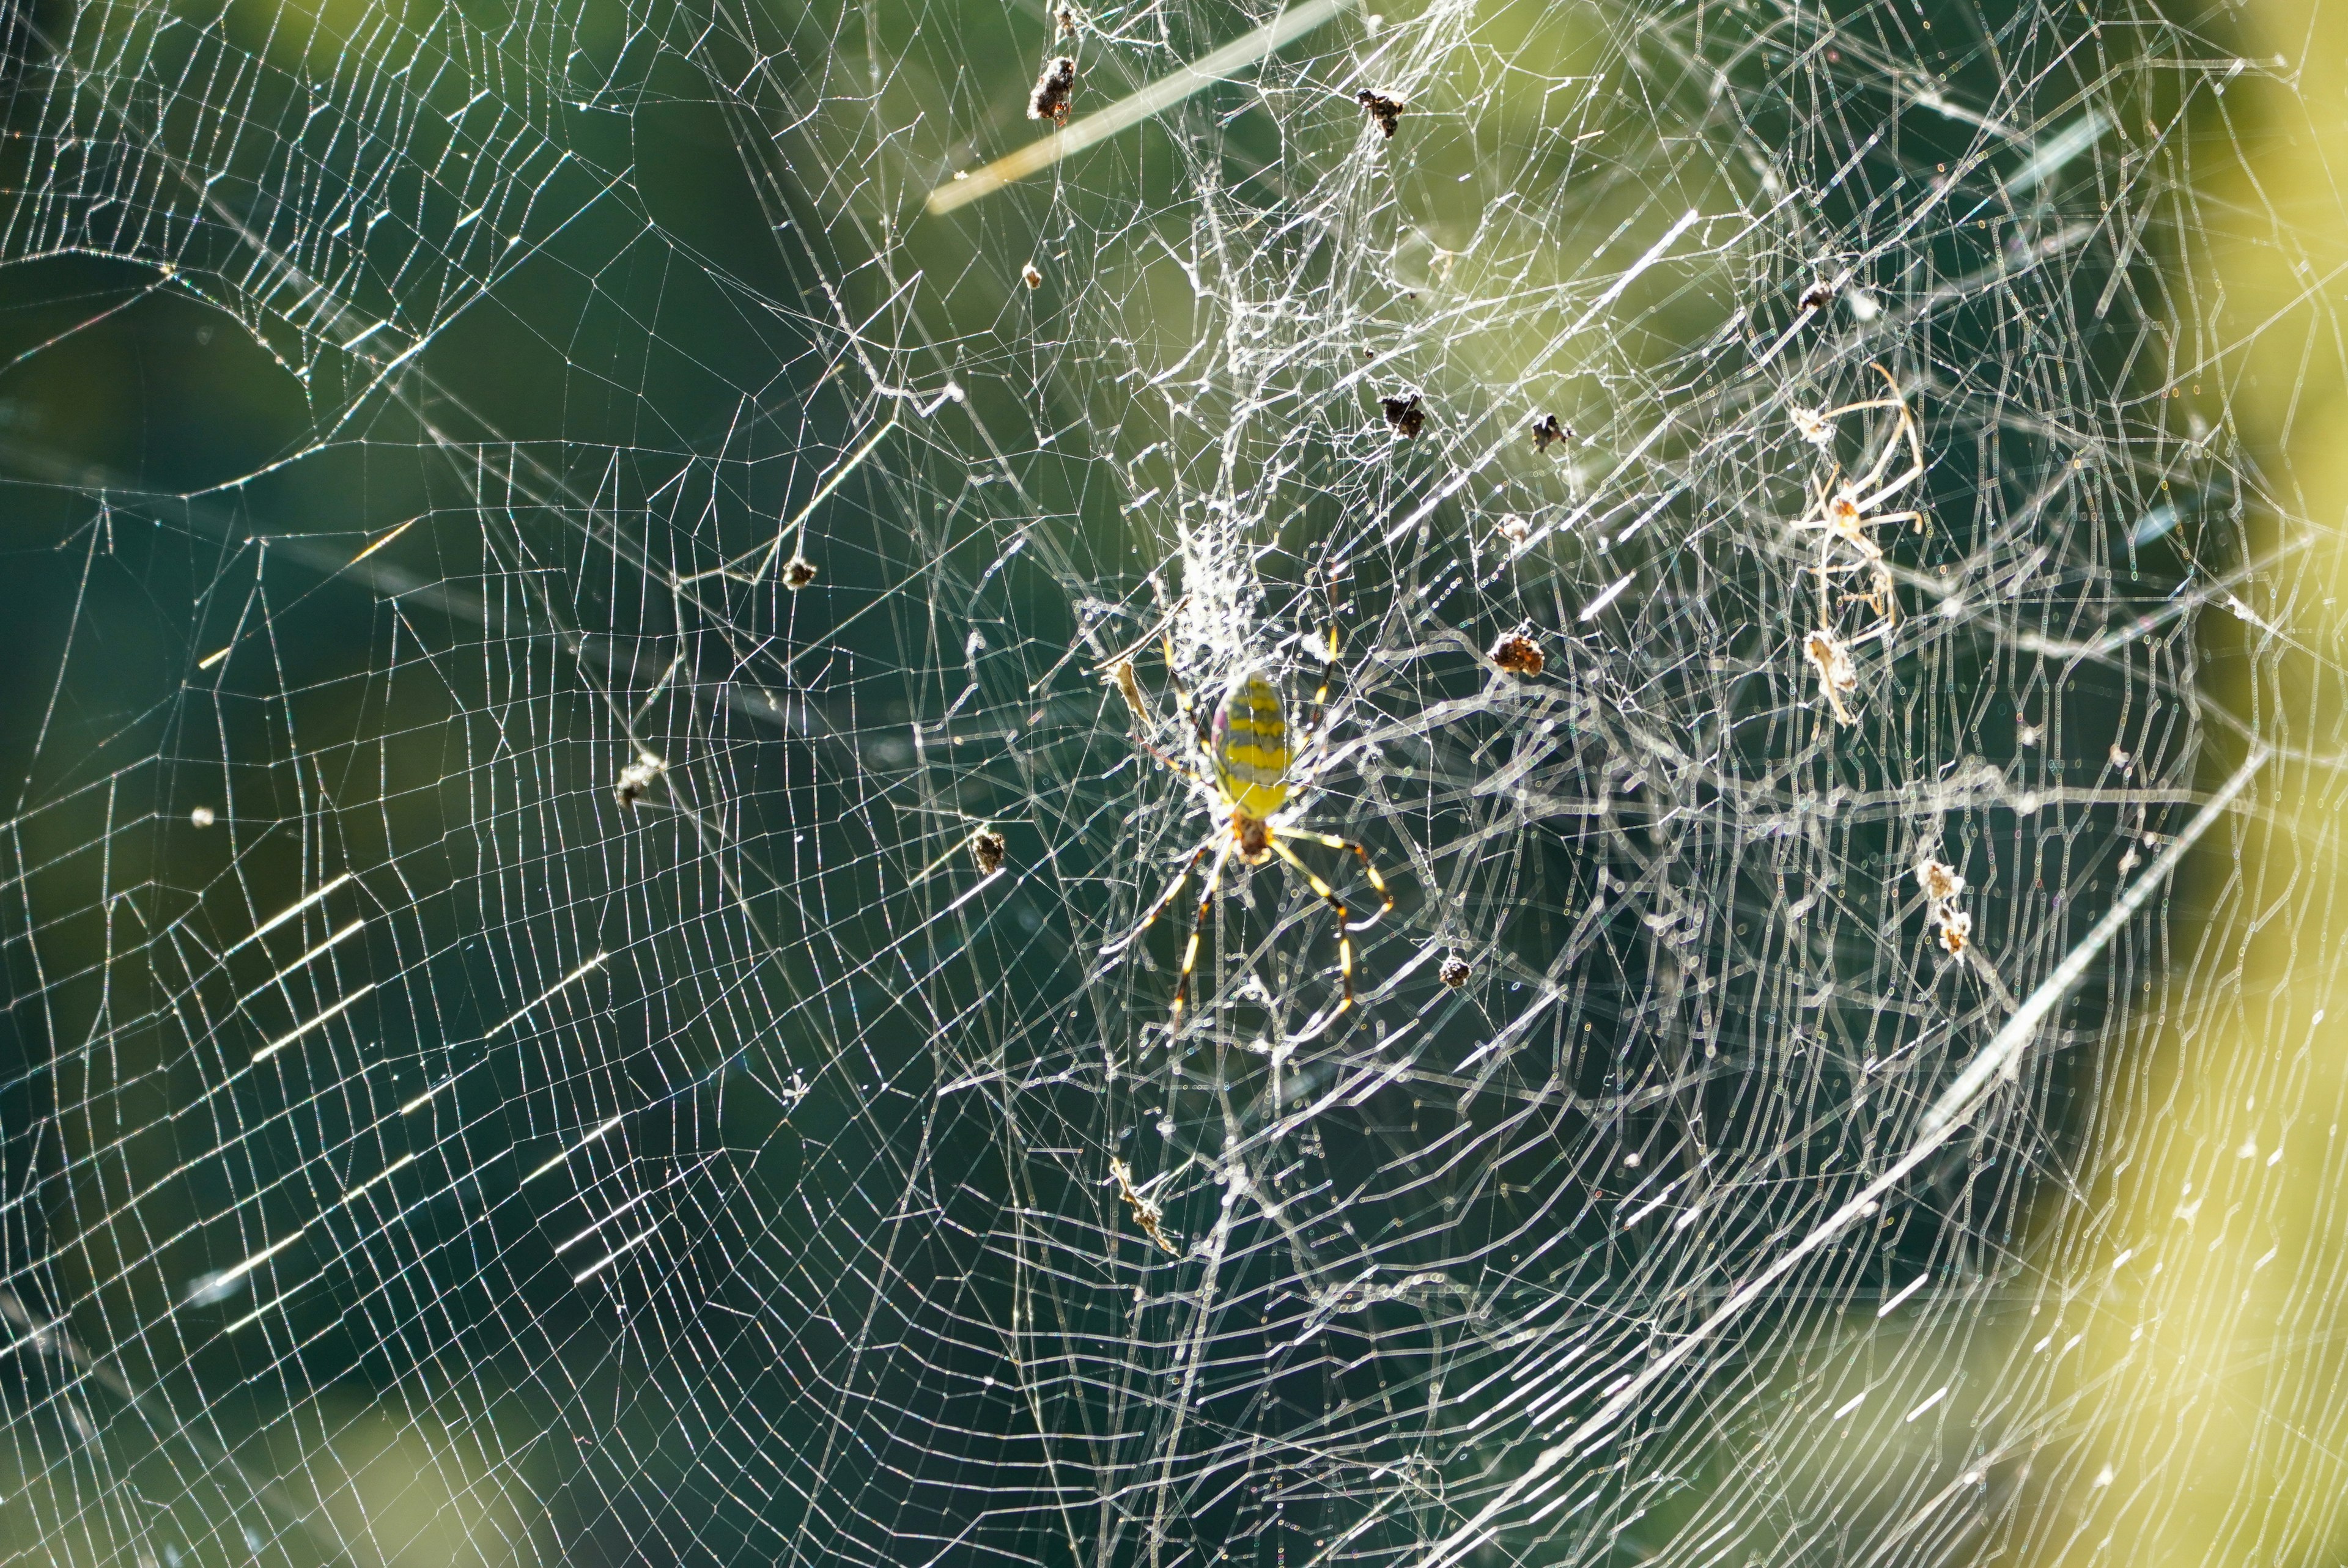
(1548, 432)
(1053, 89)
(1812, 425)
(1943, 885)
(987, 847)
(798, 573)
(1385, 110)
(1837, 676)
(1454, 971)
(1956, 929)
(1403, 415)
(1818, 296)
(1518, 655)
(637, 778)
(1146, 1213)
(1128, 686)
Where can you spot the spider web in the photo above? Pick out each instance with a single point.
(574, 993)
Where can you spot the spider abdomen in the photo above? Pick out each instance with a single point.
(1248, 744)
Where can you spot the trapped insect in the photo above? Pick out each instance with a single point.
(1128, 686)
(1547, 430)
(1384, 110)
(1813, 426)
(1053, 89)
(1403, 415)
(1518, 655)
(987, 847)
(1250, 778)
(1942, 886)
(1837, 676)
(637, 778)
(1146, 1213)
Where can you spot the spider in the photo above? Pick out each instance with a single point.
(1250, 777)
(1847, 513)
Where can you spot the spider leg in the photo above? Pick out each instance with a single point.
(1164, 899)
(1894, 401)
(1182, 698)
(1344, 930)
(1860, 407)
(1369, 869)
(1915, 440)
(1320, 698)
(1132, 693)
(1875, 498)
(1206, 904)
(1176, 765)
(1864, 489)
(1890, 450)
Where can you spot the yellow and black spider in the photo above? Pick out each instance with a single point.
(1251, 780)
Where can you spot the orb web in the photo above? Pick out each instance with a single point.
(609, 674)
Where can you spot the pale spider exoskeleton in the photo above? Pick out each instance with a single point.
(1250, 778)
(1847, 511)
(1837, 676)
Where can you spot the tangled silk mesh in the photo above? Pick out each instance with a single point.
(516, 1037)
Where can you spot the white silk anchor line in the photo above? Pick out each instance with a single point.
(1131, 110)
